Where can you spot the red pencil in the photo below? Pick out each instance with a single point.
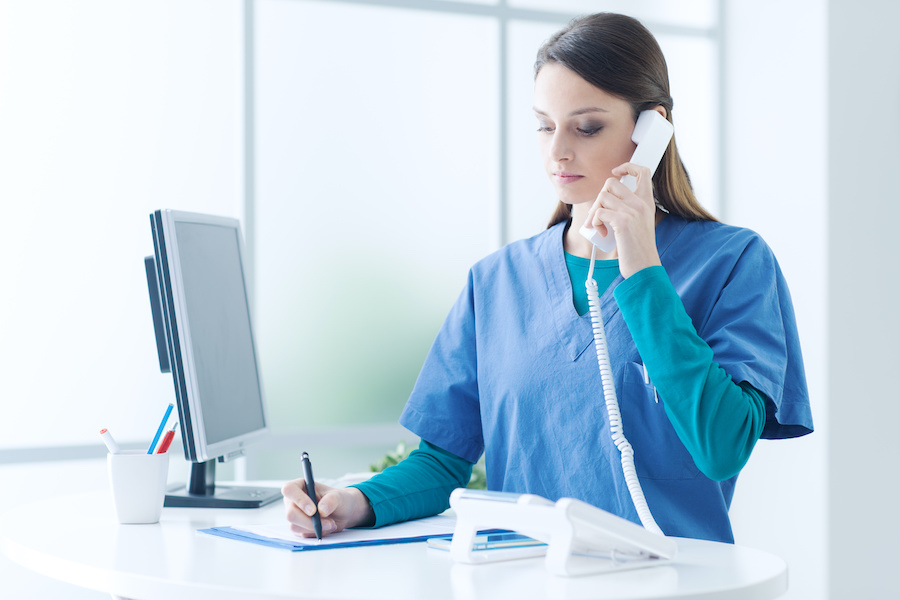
(167, 439)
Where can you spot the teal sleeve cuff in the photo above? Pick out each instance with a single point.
(717, 419)
(417, 487)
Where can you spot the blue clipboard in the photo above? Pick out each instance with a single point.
(246, 536)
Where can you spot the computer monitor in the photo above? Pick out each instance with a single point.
(204, 337)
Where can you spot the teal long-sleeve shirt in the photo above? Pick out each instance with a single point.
(717, 419)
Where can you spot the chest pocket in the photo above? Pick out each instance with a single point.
(658, 453)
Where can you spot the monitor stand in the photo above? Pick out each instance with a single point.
(202, 491)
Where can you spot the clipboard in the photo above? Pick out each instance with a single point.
(279, 535)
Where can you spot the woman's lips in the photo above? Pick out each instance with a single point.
(564, 177)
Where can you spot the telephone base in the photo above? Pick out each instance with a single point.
(596, 565)
(581, 539)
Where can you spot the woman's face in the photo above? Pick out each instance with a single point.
(583, 132)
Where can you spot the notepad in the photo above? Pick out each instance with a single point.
(279, 535)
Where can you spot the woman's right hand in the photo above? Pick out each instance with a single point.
(339, 508)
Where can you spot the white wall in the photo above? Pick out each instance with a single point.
(864, 295)
(813, 91)
(775, 103)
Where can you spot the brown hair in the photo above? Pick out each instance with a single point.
(620, 56)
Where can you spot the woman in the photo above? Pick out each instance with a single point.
(698, 318)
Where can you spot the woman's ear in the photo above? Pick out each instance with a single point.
(661, 110)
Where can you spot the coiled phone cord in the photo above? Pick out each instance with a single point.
(612, 405)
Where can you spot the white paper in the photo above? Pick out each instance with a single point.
(428, 527)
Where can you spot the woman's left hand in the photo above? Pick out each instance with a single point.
(632, 216)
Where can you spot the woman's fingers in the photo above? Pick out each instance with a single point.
(338, 508)
(295, 492)
(616, 203)
(631, 215)
(642, 186)
(299, 508)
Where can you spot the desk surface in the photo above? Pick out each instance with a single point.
(77, 540)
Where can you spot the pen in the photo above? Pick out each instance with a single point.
(161, 427)
(167, 439)
(109, 441)
(311, 491)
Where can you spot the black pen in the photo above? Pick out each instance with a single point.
(311, 492)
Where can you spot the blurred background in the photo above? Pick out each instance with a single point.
(373, 151)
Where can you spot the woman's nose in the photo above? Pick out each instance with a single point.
(560, 148)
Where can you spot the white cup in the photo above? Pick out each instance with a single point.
(138, 482)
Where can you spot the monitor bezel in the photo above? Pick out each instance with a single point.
(179, 337)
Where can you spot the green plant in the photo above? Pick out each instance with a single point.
(391, 458)
(478, 481)
(479, 477)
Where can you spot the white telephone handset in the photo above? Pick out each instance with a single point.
(652, 133)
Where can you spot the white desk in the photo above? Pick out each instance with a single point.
(77, 540)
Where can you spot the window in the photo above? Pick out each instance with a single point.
(362, 130)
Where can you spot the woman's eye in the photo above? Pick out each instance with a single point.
(545, 129)
(589, 130)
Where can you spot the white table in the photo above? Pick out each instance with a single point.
(76, 539)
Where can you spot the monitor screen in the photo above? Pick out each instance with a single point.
(205, 339)
(216, 316)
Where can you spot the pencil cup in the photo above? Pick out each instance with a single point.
(138, 482)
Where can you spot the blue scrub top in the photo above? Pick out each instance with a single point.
(512, 374)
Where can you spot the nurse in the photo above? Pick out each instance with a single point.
(699, 323)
